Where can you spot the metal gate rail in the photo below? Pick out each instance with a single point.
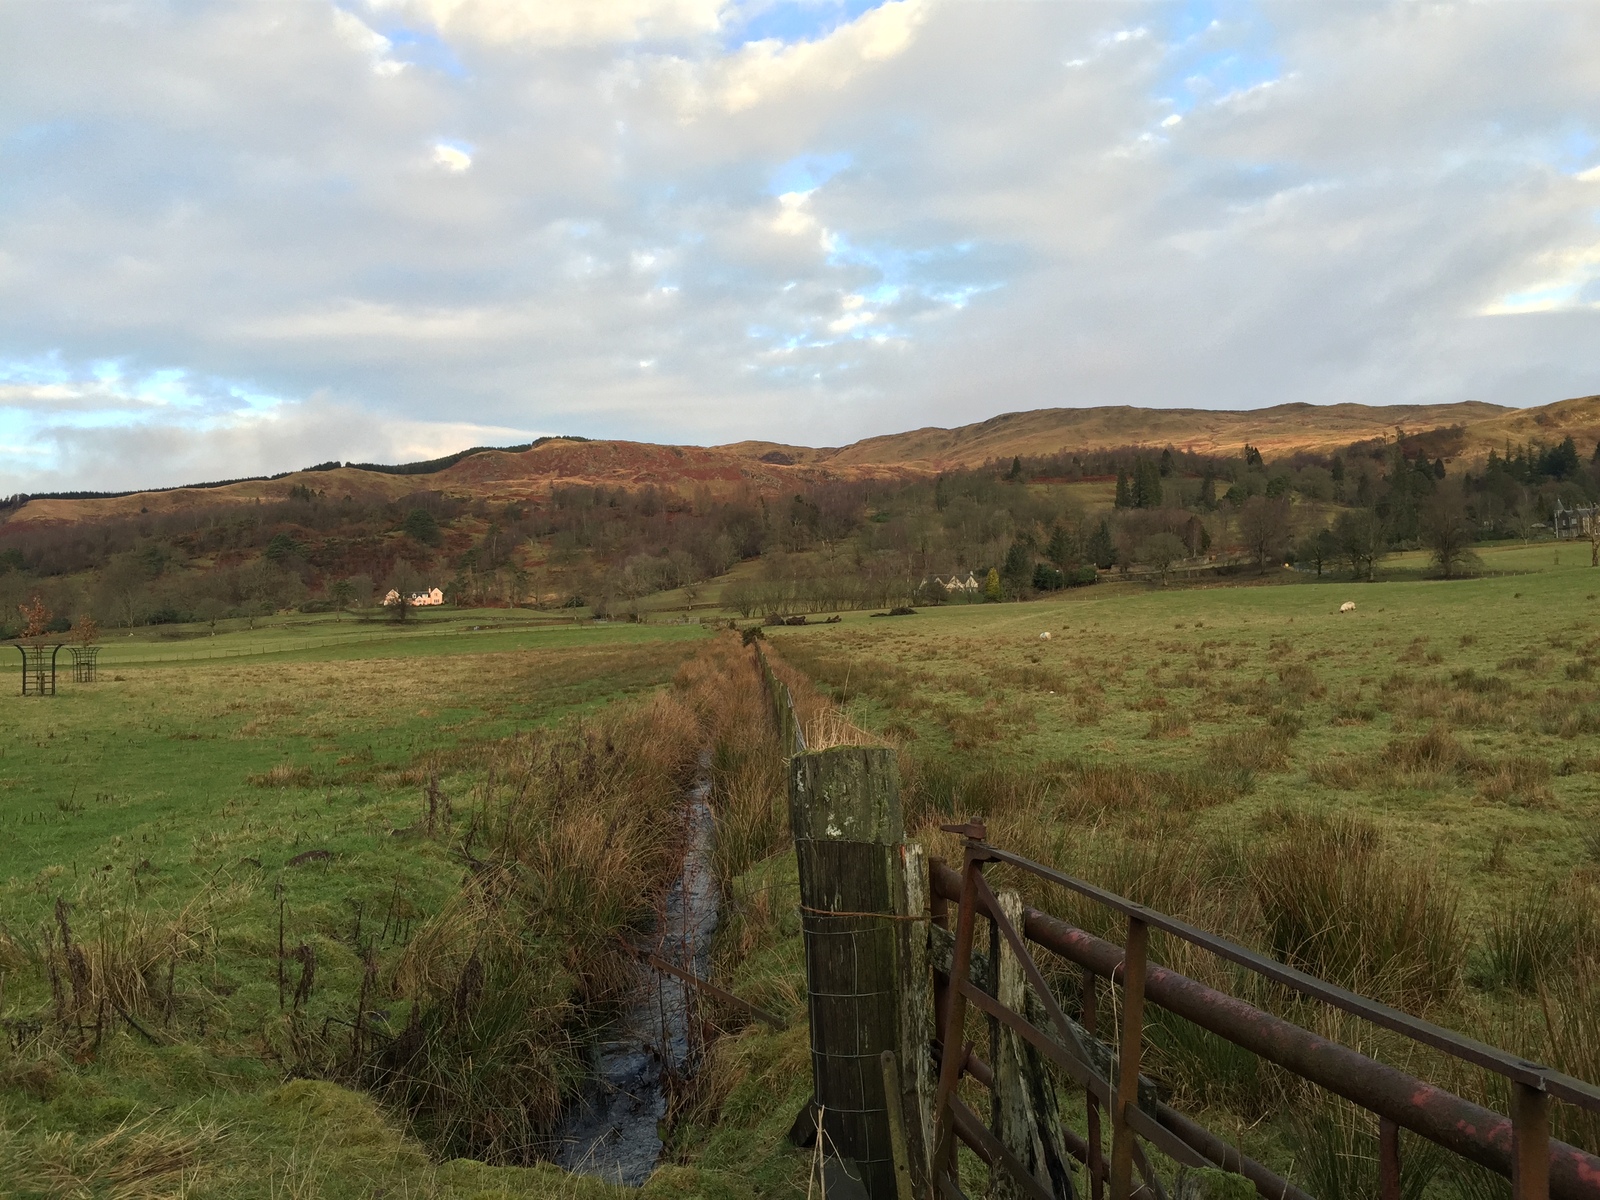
(1519, 1147)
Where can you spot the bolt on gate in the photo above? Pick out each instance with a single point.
(899, 1132)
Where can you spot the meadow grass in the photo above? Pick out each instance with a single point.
(450, 847)
(1402, 798)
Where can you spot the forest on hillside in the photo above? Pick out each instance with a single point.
(1021, 527)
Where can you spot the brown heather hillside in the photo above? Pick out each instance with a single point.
(494, 475)
(772, 468)
(1278, 430)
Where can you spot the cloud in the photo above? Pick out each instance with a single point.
(239, 237)
(452, 158)
(566, 22)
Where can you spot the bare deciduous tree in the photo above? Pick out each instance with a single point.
(1264, 528)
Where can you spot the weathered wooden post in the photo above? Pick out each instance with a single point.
(1026, 1119)
(844, 807)
(919, 1077)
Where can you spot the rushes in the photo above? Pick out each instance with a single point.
(1337, 1156)
(1529, 942)
(1571, 1007)
(283, 775)
(575, 839)
(123, 962)
(575, 835)
(1337, 904)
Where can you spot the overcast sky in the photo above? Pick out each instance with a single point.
(241, 238)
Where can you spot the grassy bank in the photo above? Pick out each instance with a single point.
(449, 847)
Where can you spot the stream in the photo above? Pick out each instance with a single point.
(613, 1130)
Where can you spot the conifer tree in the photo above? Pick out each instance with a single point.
(1124, 498)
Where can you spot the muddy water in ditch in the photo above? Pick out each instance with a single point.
(613, 1131)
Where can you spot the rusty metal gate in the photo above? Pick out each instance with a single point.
(1519, 1147)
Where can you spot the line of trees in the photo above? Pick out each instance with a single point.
(830, 544)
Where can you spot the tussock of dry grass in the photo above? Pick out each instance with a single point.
(138, 1160)
(1264, 750)
(283, 775)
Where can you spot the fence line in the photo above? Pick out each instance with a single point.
(317, 644)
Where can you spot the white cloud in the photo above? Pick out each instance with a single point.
(232, 236)
(360, 37)
(566, 22)
(792, 216)
(766, 71)
(452, 158)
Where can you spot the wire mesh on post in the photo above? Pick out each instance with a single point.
(850, 984)
(38, 668)
(845, 816)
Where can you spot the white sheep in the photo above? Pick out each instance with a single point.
(1045, 636)
(1348, 606)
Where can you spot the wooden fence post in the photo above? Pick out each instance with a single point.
(844, 809)
(919, 1077)
(1130, 1037)
(1027, 1122)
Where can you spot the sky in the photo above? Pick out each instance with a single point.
(245, 238)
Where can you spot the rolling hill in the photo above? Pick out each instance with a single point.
(772, 468)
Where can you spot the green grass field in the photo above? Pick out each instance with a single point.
(1176, 743)
(1404, 798)
(173, 805)
(1157, 676)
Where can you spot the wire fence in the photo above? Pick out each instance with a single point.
(115, 661)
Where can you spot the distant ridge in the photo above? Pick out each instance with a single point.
(515, 473)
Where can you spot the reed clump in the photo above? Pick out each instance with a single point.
(1538, 940)
(1337, 903)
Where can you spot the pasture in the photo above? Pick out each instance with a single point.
(193, 816)
(1405, 798)
(1274, 680)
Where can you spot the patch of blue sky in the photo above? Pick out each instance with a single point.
(419, 47)
(110, 388)
(1575, 149)
(18, 434)
(899, 269)
(39, 135)
(791, 20)
(806, 173)
(1551, 296)
(43, 369)
(1215, 50)
(960, 297)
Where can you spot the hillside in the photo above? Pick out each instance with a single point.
(772, 468)
(495, 475)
